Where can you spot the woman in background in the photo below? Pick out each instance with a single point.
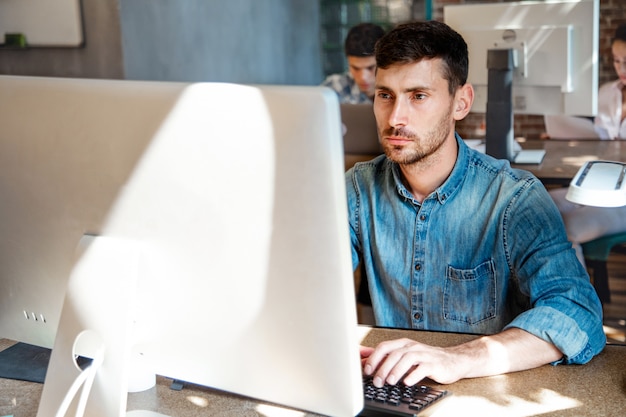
(585, 223)
(610, 121)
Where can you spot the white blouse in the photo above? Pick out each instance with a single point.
(608, 122)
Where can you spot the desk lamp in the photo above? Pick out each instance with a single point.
(599, 184)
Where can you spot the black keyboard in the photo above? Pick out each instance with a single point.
(397, 400)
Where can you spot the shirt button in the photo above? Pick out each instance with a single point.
(418, 267)
(417, 316)
(423, 217)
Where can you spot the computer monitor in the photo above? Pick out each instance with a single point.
(550, 62)
(220, 251)
(67, 147)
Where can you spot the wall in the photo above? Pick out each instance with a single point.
(270, 41)
(612, 14)
(235, 40)
(249, 41)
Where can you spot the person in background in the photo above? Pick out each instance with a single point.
(455, 240)
(611, 119)
(586, 223)
(357, 84)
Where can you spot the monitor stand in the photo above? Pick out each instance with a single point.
(499, 139)
(96, 322)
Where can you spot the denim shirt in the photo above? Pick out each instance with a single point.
(486, 251)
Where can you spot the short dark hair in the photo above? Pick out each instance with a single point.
(414, 41)
(362, 38)
(620, 33)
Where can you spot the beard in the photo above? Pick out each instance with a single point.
(421, 146)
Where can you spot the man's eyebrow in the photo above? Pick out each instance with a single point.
(406, 90)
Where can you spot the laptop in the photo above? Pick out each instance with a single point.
(359, 127)
(570, 127)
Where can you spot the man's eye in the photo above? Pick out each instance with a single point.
(419, 96)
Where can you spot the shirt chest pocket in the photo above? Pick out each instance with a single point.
(469, 295)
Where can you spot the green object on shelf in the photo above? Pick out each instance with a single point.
(15, 40)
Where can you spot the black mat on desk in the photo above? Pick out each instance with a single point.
(24, 362)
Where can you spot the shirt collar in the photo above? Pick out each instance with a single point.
(459, 171)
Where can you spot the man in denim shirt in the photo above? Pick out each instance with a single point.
(454, 240)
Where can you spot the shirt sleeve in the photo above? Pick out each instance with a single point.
(564, 307)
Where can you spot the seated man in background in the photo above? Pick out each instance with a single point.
(455, 240)
(586, 223)
(357, 84)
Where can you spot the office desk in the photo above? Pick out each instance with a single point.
(564, 157)
(595, 389)
(562, 161)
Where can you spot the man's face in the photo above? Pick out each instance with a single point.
(363, 70)
(414, 110)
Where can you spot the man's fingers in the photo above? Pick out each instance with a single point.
(415, 376)
(366, 351)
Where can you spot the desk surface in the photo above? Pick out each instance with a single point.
(562, 161)
(564, 157)
(595, 389)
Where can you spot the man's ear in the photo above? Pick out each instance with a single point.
(463, 98)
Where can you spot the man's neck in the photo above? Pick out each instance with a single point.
(424, 177)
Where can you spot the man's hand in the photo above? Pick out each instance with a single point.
(392, 360)
(410, 361)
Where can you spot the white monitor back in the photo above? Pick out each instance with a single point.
(232, 200)
(246, 276)
(556, 44)
(67, 147)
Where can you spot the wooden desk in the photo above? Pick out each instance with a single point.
(562, 161)
(564, 157)
(595, 389)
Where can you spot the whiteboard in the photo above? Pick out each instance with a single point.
(42, 22)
